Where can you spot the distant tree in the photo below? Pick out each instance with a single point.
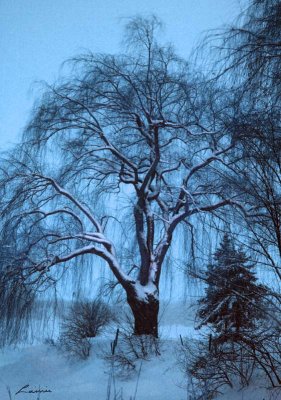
(234, 301)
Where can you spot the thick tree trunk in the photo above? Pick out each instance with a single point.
(145, 314)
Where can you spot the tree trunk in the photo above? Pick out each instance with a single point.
(145, 314)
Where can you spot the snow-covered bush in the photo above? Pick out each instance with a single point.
(85, 320)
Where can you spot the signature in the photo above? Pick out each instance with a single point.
(27, 389)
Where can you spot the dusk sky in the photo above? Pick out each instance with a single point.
(36, 36)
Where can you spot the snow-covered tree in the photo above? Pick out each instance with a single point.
(234, 300)
(125, 144)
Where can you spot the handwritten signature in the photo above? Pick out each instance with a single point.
(29, 390)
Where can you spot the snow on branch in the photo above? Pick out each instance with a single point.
(78, 204)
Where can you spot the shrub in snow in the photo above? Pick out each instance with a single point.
(88, 318)
(127, 349)
(211, 370)
(74, 346)
(212, 367)
(85, 320)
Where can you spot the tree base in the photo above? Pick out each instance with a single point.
(145, 315)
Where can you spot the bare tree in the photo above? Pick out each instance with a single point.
(132, 129)
(250, 53)
(250, 49)
(257, 177)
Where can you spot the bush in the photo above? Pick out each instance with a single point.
(128, 348)
(74, 346)
(85, 320)
(206, 370)
(216, 362)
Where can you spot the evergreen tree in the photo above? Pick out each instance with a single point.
(234, 301)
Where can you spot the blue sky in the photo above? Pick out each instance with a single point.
(36, 36)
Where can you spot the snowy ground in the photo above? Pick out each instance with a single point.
(42, 366)
(86, 380)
